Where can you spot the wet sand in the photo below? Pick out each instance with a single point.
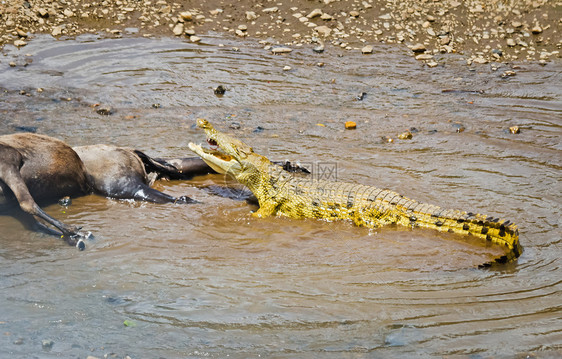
(481, 31)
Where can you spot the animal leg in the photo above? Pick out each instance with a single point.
(146, 193)
(10, 175)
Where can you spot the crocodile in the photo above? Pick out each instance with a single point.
(294, 195)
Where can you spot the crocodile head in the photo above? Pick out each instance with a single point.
(232, 157)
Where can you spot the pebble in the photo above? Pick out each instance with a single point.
(21, 33)
(536, 30)
(186, 15)
(367, 49)
(270, 10)
(508, 73)
(350, 125)
(445, 40)
(424, 57)
(354, 13)
(194, 38)
(47, 343)
(287, 68)
(432, 64)
(510, 42)
(314, 13)
(219, 90)
(281, 50)
(418, 48)
(318, 49)
(20, 43)
(405, 136)
(323, 30)
(57, 31)
(42, 12)
(104, 111)
(178, 29)
(250, 15)
(514, 130)
(459, 127)
(12, 64)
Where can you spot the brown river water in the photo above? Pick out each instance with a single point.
(207, 280)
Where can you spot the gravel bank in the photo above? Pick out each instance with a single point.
(482, 31)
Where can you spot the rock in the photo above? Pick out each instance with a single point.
(287, 68)
(418, 48)
(42, 12)
(497, 52)
(281, 50)
(323, 30)
(186, 15)
(235, 125)
(480, 60)
(432, 64)
(514, 130)
(510, 42)
(194, 38)
(459, 127)
(57, 31)
(21, 33)
(361, 96)
(270, 10)
(318, 49)
(516, 24)
(367, 49)
(219, 90)
(508, 73)
(314, 13)
(536, 29)
(424, 57)
(250, 15)
(190, 32)
(68, 13)
(47, 343)
(405, 135)
(242, 27)
(178, 29)
(326, 17)
(215, 12)
(354, 13)
(20, 43)
(445, 40)
(12, 64)
(350, 125)
(104, 111)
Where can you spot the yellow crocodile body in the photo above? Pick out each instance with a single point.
(296, 196)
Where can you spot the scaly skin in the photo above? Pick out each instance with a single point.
(296, 196)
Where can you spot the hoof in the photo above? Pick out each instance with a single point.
(77, 239)
(185, 200)
(80, 245)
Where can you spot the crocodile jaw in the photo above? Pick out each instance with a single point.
(218, 161)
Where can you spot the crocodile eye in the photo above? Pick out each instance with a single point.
(212, 142)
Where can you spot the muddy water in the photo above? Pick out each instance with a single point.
(206, 280)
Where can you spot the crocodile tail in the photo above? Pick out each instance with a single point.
(490, 229)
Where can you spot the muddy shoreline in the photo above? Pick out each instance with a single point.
(480, 31)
